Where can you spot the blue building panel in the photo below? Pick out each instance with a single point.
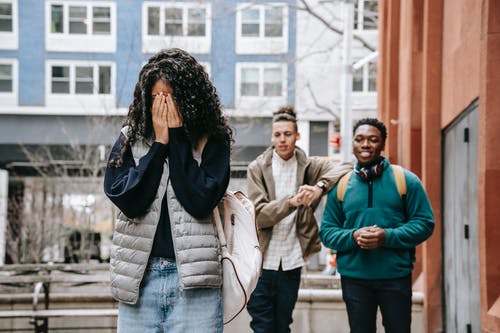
(223, 57)
(31, 53)
(129, 58)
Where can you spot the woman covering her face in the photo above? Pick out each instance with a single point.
(167, 171)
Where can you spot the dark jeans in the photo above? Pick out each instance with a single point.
(362, 297)
(272, 302)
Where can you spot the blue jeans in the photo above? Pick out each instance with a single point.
(162, 308)
(362, 297)
(272, 302)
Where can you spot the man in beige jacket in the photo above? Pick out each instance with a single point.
(285, 186)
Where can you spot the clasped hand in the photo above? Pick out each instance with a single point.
(370, 237)
(306, 196)
(164, 115)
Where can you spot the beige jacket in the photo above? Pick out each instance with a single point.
(270, 211)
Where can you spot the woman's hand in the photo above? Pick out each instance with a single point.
(173, 115)
(159, 113)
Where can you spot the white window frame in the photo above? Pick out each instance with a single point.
(261, 44)
(194, 44)
(93, 103)
(365, 80)
(10, 99)
(261, 105)
(9, 40)
(361, 17)
(88, 42)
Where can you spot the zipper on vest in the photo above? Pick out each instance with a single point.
(370, 194)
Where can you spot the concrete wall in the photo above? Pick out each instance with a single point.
(316, 311)
(324, 311)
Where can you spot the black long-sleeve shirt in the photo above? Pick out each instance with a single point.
(132, 188)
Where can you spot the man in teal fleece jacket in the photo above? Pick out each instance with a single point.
(374, 231)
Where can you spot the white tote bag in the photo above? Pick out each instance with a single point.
(241, 254)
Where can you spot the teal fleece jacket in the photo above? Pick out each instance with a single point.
(377, 203)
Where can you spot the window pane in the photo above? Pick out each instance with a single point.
(57, 19)
(272, 82)
(5, 9)
(6, 17)
(370, 15)
(173, 21)
(60, 72)
(274, 22)
(5, 78)
(249, 82)
(5, 71)
(77, 20)
(153, 21)
(372, 76)
(357, 79)
(250, 22)
(84, 80)
(196, 21)
(5, 85)
(102, 20)
(104, 79)
(60, 79)
(356, 15)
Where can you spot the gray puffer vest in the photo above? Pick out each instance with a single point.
(196, 245)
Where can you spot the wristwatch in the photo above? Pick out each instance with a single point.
(321, 184)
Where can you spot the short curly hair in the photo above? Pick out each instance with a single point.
(285, 113)
(372, 122)
(193, 92)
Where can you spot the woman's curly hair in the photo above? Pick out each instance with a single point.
(193, 92)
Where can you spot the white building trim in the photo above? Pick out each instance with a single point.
(261, 44)
(74, 42)
(152, 43)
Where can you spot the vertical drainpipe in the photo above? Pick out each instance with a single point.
(4, 196)
(346, 86)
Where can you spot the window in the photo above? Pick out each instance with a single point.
(81, 26)
(249, 82)
(60, 79)
(366, 15)
(250, 23)
(262, 29)
(8, 82)
(196, 22)
(6, 17)
(101, 20)
(364, 79)
(273, 22)
(180, 24)
(6, 78)
(8, 25)
(82, 83)
(261, 82)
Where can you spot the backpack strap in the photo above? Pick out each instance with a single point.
(342, 185)
(399, 177)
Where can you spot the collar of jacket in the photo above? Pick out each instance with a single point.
(266, 162)
(300, 155)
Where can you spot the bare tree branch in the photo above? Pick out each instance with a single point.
(307, 8)
(320, 106)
